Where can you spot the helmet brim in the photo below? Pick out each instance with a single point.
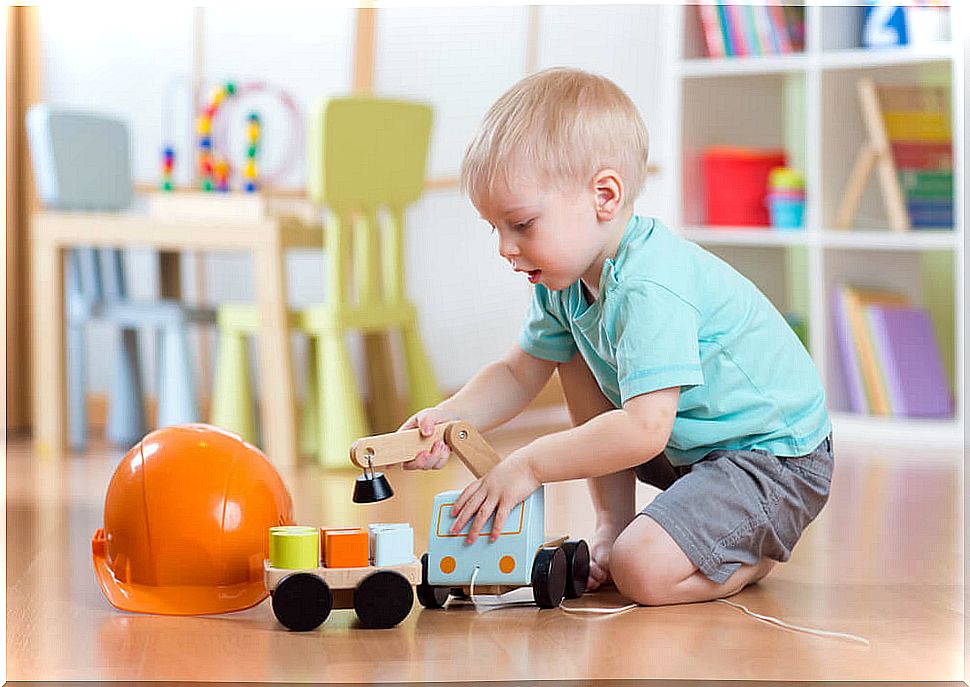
(175, 600)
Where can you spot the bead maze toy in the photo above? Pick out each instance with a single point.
(213, 168)
(373, 572)
(523, 555)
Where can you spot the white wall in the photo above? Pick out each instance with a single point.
(136, 62)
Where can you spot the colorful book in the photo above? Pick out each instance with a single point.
(926, 185)
(725, 23)
(735, 29)
(780, 28)
(854, 302)
(905, 125)
(750, 30)
(795, 26)
(930, 214)
(923, 155)
(851, 373)
(711, 26)
(766, 37)
(909, 357)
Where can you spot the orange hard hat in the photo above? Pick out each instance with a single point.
(186, 523)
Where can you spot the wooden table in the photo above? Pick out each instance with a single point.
(266, 237)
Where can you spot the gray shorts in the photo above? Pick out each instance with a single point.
(736, 507)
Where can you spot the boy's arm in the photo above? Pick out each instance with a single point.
(608, 443)
(500, 390)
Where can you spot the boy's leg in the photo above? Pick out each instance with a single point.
(649, 568)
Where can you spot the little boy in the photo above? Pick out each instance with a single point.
(675, 368)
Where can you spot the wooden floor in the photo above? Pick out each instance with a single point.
(884, 560)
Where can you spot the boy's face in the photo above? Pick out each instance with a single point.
(550, 235)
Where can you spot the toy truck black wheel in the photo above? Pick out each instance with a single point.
(549, 572)
(302, 601)
(428, 596)
(383, 599)
(577, 565)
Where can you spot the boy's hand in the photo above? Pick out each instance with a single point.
(424, 421)
(504, 487)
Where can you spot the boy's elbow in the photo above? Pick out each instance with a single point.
(650, 434)
(655, 434)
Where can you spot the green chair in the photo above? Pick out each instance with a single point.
(366, 165)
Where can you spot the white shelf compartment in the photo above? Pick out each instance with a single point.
(916, 240)
(856, 58)
(916, 432)
(861, 239)
(912, 273)
(747, 110)
(745, 236)
(843, 132)
(765, 64)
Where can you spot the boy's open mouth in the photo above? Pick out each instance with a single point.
(534, 275)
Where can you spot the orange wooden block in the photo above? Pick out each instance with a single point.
(345, 548)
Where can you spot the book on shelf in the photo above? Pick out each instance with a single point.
(929, 197)
(732, 30)
(735, 30)
(711, 26)
(795, 25)
(917, 121)
(864, 383)
(909, 359)
(923, 154)
(890, 357)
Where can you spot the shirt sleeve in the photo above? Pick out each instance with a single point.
(545, 333)
(657, 343)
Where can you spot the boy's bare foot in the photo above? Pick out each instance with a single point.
(600, 546)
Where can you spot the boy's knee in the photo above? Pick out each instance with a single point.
(643, 568)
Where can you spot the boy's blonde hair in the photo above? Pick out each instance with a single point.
(563, 125)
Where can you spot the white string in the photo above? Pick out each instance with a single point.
(798, 628)
(594, 611)
(490, 603)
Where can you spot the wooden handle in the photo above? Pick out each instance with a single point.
(394, 447)
(471, 447)
(399, 447)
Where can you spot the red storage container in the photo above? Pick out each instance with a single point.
(736, 183)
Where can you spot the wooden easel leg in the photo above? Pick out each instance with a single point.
(892, 194)
(864, 162)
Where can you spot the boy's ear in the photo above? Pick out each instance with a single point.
(609, 194)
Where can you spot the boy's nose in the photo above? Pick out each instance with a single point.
(507, 248)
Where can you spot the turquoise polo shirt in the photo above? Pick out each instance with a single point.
(671, 314)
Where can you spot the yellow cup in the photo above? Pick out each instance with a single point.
(294, 547)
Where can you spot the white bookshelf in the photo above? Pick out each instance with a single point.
(806, 103)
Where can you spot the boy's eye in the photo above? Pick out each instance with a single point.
(522, 226)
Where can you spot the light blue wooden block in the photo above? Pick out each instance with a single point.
(81, 160)
(521, 537)
(390, 543)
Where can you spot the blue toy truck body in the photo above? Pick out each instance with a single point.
(506, 561)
